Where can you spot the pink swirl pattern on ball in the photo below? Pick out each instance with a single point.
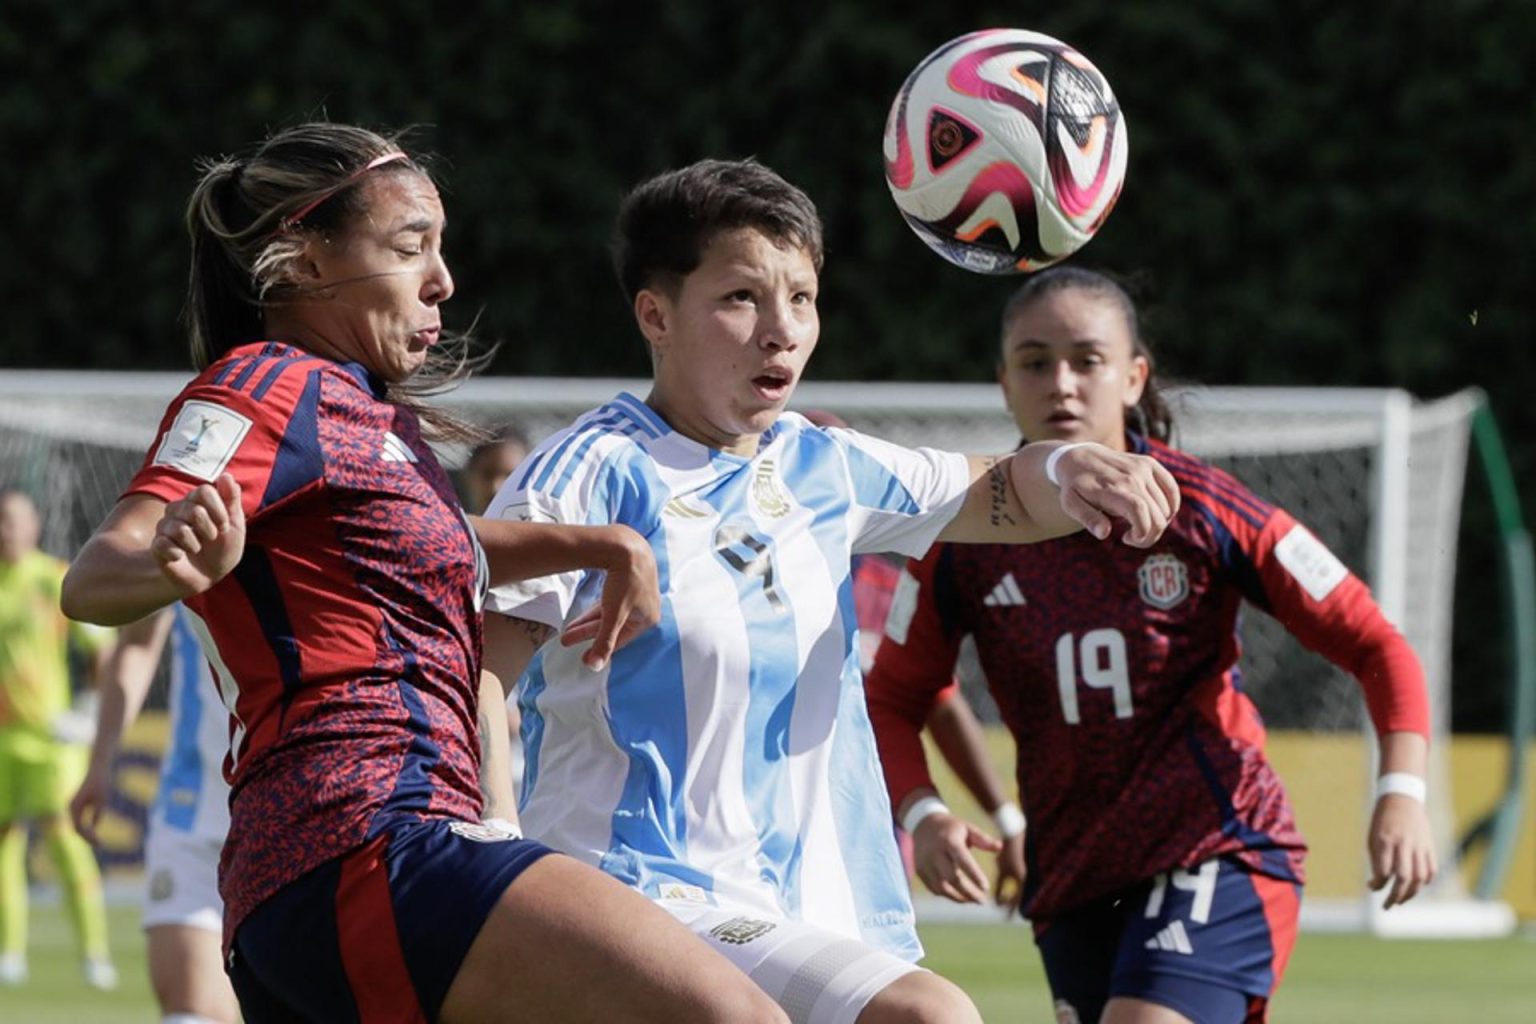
(1000, 177)
(965, 77)
(899, 172)
(1073, 198)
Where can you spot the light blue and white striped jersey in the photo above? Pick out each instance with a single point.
(726, 754)
(193, 796)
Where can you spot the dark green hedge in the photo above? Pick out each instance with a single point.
(1319, 193)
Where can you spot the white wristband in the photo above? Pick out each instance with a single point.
(917, 812)
(503, 826)
(1403, 783)
(1055, 457)
(1010, 819)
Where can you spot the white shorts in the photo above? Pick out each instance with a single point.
(181, 873)
(816, 976)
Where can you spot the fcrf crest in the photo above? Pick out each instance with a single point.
(1164, 581)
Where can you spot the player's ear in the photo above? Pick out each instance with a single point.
(653, 312)
(301, 263)
(1136, 380)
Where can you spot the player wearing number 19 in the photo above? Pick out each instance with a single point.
(1164, 865)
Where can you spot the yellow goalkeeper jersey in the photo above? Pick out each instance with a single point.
(34, 645)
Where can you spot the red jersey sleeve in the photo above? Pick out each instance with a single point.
(252, 415)
(913, 666)
(1281, 567)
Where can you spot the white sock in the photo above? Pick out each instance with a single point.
(186, 1018)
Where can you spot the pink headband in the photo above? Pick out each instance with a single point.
(292, 219)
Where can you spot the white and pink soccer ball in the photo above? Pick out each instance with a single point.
(1005, 150)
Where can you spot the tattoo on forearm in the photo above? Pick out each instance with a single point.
(998, 511)
(536, 632)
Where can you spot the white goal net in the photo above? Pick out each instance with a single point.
(1376, 474)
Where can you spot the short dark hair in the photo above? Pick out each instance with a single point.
(665, 222)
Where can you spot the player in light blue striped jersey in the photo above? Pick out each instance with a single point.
(723, 762)
(183, 914)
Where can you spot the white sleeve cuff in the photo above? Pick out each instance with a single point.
(1403, 783)
(1055, 457)
(927, 806)
(1010, 820)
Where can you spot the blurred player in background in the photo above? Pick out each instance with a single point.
(183, 914)
(39, 768)
(292, 503)
(1164, 866)
(723, 763)
(489, 464)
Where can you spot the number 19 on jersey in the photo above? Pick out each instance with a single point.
(1097, 660)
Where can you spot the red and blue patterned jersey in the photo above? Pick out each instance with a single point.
(346, 643)
(1116, 670)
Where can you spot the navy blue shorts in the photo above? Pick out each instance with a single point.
(1210, 943)
(377, 935)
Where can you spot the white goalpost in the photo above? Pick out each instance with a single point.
(1375, 473)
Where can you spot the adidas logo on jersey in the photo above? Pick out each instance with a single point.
(682, 508)
(1006, 594)
(1173, 938)
(395, 450)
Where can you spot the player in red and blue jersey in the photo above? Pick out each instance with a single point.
(1164, 866)
(292, 503)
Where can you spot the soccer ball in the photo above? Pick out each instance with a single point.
(1005, 151)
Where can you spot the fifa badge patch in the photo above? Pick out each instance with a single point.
(202, 440)
(1310, 563)
(161, 886)
(767, 493)
(898, 620)
(739, 931)
(1164, 581)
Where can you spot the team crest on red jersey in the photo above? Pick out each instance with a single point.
(1164, 581)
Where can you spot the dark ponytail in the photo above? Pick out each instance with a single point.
(223, 308)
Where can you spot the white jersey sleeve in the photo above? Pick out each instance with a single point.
(902, 497)
(570, 479)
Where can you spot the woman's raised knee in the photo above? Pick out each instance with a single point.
(920, 998)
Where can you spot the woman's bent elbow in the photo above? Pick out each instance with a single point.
(80, 599)
(74, 600)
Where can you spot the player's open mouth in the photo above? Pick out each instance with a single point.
(773, 384)
(427, 336)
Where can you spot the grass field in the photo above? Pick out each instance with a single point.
(1333, 978)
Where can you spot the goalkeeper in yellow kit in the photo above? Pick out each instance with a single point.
(39, 769)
